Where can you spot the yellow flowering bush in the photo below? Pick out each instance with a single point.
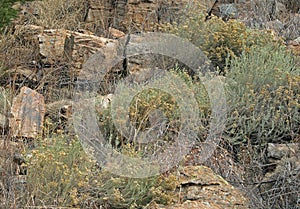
(56, 170)
(60, 174)
(145, 104)
(120, 192)
(218, 39)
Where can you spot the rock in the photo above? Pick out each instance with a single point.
(80, 47)
(4, 108)
(278, 151)
(106, 100)
(52, 44)
(283, 174)
(2, 121)
(223, 9)
(280, 154)
(275, 25)
(297, 40)
(199, 187)
(115, 33)
(61, 44)
(27, 114)
(134, 15)
(295, 46)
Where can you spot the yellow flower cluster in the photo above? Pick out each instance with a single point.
(56, 170)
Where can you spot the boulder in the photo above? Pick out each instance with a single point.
(200, 187)
(27, 114)
(283, 175)
(279, 155)
(61, 44)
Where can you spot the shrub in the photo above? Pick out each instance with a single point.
(263, 96)
(59, 173)
(146, 104)
(263, 103)
(112, 191)
(7, 13)
(56, 170)
(218, 39)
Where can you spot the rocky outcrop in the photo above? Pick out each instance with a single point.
(134, 15)
(199, 187)
(58, 47)
(74, 47)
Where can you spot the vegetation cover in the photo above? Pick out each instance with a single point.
(261, 79)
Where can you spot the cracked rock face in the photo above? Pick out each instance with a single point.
(134, 15)
(200, 187)
(28, 110)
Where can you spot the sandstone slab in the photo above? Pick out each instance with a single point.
(27, 114)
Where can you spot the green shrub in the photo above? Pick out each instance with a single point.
(263, 96)
(218, 39)
(7, 13)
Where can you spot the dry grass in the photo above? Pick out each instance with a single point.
(56, 14)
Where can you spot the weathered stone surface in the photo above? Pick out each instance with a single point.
(275, 25)
(279, 155)
(60, 44)
(4, 108)
(134, 15)
(52, 44)
(115, 33)
(283, 173)
(278, 151)
(199, 187)
(27, 113)
(2, 121)
(81, 46)
(295, 46)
